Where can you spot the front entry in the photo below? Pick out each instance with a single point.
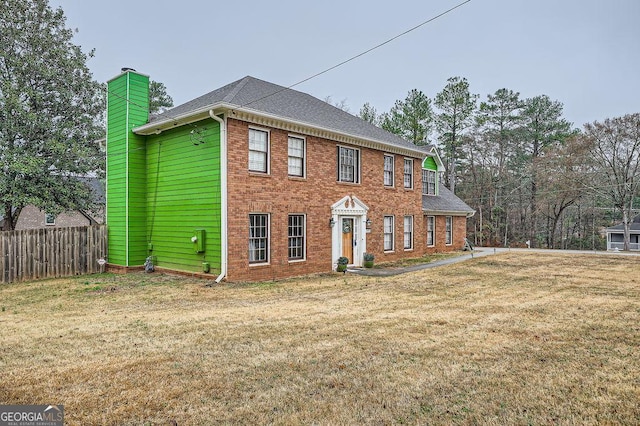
(348, 230)
(347, 238)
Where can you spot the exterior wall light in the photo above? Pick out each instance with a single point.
(368, 222)
(332, 222)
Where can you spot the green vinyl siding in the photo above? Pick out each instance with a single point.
(429, 163)
(127, 104)
(184, 194)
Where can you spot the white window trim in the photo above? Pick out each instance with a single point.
(268, 132)
(304, 238)
(412, 174)
(433, 230)
(410, 248)
(357, 170)
(268, 261)
(304, 156)
(393, 234)
(393, 170)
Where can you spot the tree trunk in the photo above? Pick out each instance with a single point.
(627, 237)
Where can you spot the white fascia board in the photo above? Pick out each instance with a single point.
(355, 139)
(159, 126)
(448, 213)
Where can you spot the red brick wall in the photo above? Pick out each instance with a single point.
(459, 234)
(280, 195)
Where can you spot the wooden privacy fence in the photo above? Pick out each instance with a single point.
(51, 252)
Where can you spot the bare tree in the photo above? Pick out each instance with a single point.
(615, 145)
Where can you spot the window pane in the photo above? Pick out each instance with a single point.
(257, 161)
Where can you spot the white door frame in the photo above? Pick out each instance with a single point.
(349, 207)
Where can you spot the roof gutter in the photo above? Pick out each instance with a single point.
(223, 195)
(466, 213)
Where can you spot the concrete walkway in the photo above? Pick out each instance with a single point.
(478, 252)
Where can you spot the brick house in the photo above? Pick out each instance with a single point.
(32, 217)
(254, 181)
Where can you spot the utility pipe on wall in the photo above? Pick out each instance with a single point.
(223, 194)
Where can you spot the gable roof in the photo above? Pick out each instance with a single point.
(446, 202)
(258, 97)
(634, 225)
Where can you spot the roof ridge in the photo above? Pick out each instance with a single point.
(241, 83)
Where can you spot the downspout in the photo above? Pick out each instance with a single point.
(223, 195)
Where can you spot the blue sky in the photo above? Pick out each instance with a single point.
(583, 53)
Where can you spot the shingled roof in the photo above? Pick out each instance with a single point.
(634, 225)
(264, 98)
(446, 202)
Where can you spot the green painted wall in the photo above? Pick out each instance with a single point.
(429, 163)
(184, 194)
(127, 107)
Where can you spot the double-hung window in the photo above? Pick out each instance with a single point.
(388, 233)
(258, 238)
(431, 230)
(296, 236)
(428, 182)
(348, 165)
(408, 232)
(388, 170)
(448, 239)
(258, 151)
(408, 173)
(296, 156)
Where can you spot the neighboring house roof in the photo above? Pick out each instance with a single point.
(97, 189)
(98, 197)
(446, 202)
(633, 226)
(256, 96)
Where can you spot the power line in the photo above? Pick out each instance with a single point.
(360, 54)
(331, 68)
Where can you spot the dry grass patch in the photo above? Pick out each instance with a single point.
(513, 338)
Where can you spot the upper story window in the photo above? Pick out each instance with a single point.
(388, 170)
(348, 165)
(408, 173)
(258, 151)
(429, 182)
(296, 156)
